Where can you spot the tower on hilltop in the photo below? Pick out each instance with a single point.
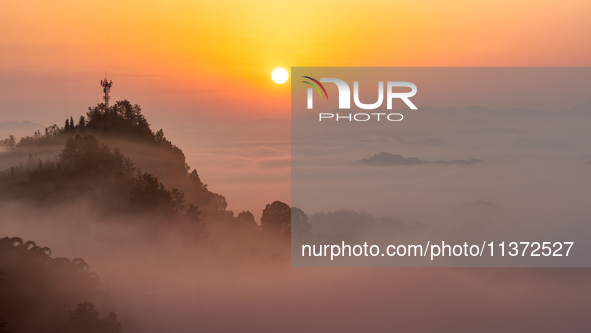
(106, 89)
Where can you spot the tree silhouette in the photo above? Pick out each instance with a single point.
(52, 130)
(34, 285)
(82, 123)
(122, 119)
(276, 218)
(299, 223)
(147, 193)
(9, 142)
(246, 219)
(85, 153)
(193, 213)
(85, 319)
(201, 195)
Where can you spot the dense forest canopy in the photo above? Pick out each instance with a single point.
(87, 166)
(124, 173)
(37, 291)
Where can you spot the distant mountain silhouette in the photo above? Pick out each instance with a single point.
(583, 109)
(18, 124)
(387, 159)
(438, 143)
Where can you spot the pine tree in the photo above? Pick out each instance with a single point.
(81, 123)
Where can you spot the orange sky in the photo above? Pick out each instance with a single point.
(187, 61)
(202, 56)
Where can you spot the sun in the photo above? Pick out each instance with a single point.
(279, 75)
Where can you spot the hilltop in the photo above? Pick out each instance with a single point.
(109, 186)
(113, 161)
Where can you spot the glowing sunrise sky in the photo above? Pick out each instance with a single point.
(194, 64)
(195, 57)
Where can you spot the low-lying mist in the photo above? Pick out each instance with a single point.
(170, 283)
(181, 261)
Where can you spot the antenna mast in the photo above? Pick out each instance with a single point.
(106, 89)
